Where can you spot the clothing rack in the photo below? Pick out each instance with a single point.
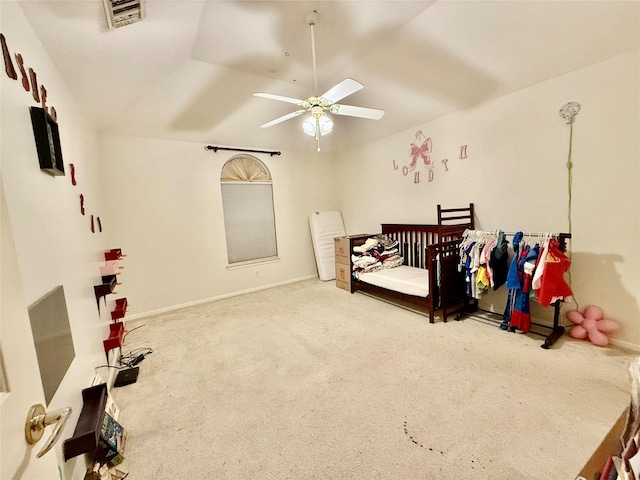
(557, 330)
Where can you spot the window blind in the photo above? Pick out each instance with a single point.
(249, 221)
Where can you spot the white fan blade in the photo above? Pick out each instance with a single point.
(352, 111)
(341, 90)
(282, 118)
(295, 101)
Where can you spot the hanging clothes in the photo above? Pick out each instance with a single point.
(485, 259)
(521, 318)
(499, 261)
(512, 282)
(467, 263)
(536, 281)
(553, 285)
(532, 273)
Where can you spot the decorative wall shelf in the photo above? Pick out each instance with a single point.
(45, 133)
(113, 254)
(104, 290)
(85, 436)
(109, 279)
(108, 273)
(116, 332)
(111, 268)
(120, 309)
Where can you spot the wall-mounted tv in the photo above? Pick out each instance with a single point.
(52, 338)
(47, 137)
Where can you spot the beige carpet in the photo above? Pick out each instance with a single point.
(306, 381)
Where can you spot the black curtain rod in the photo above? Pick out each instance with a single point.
(215, 149)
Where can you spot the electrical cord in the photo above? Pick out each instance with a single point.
(129, 331)
(570, 192)
(134, 357)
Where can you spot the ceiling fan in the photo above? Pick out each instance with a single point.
(319, 122)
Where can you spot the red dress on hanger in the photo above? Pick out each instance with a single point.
(553, 284)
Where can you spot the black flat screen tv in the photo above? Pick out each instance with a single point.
(52, 338)
(47, 137)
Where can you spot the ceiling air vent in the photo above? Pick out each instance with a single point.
(123, 12)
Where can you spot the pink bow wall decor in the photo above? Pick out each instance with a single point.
(421, 152)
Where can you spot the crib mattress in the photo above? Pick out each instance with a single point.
(408, 280)
(325, 226)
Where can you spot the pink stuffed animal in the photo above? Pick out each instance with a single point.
(591, 323)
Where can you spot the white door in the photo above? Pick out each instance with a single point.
(21, 385)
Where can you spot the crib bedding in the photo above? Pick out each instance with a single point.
(403, 279)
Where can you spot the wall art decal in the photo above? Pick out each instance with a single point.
(43, 97)
(73, 174)
(29, 80)
(99, 224)
(420, 152)
(93, 226)
(82, 204)
(34, 85)
(23, 72)
(8, 63)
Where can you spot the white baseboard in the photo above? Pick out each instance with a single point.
(634, 347)
(213, 299)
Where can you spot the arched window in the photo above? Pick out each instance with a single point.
(247, 202)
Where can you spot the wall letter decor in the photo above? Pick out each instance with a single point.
(34, 85)
(8, 63)
(23, 72)
(43, 97)
(422, 151)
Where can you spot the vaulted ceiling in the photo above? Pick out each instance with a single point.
(187, 71)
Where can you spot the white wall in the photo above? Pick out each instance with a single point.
(54, 243)
(165, 212)
(515, 173)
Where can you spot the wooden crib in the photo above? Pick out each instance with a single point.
(430, 247)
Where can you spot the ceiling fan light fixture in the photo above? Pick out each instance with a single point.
(318, 123)
(326, 125)
(309, 126)
(321, 124)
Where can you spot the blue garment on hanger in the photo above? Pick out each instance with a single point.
(512, 277)
(513, 281)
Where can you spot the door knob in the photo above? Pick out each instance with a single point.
(38, 419)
